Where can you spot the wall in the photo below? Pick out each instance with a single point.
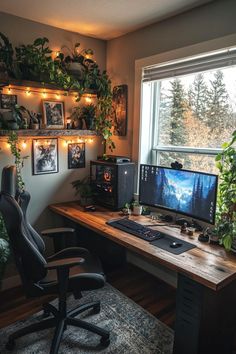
(46, 189)
(211, 21)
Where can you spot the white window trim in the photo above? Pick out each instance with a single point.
(185, 52)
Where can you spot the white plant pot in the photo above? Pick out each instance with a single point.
(137, 210)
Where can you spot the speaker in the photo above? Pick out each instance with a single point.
(113, 183)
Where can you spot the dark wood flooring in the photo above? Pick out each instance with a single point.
(152, 294)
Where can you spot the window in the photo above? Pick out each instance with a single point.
(191, 107)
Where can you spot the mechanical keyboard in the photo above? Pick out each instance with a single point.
(135, 229)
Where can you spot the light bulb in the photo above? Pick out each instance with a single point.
(44, 94)
(88, 99)
(24, 145)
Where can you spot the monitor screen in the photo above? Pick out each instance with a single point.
(186, 192)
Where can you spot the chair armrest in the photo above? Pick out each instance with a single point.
(64, 263)
(57, 231)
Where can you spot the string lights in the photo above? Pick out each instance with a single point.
(88, 97)
(25, 143)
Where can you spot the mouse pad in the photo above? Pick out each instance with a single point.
(166, 240)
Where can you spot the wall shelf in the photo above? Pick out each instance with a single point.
(49, 132)
(39, 86)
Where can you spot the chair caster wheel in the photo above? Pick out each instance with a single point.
(105, 341)
(96, 309)
(10, 344)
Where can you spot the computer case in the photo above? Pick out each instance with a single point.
(113, 183)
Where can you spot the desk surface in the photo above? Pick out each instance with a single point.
(207, 264)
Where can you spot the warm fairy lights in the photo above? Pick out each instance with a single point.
(88, 97)
(24, 145)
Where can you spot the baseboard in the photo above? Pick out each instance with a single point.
(158, 270)
(11, 282)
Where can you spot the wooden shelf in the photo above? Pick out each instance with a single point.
(38, 86)
(49, 132)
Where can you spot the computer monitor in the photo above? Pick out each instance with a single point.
(185, 192)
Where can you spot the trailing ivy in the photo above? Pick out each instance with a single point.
(226, 198)
(19, 160)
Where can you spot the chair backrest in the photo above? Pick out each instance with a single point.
(25, 242)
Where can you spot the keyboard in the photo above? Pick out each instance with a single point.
(135, 229)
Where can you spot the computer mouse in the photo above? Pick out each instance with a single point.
(175, 244)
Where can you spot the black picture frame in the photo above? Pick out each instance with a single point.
(45, 156)
(53, 114)
(76, 155)
(120, 109)
(7, 101)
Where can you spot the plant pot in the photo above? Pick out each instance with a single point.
(89, 122)
(137, 210)
(76, 69)
(85, 201)
(12, 126)
(35, 126)
(126, 211)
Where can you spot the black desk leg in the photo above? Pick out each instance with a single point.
(205, 319)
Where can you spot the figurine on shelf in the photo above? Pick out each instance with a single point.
(34, 121)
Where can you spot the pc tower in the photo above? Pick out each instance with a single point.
(113, 183)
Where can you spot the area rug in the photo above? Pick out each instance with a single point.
(132, 329)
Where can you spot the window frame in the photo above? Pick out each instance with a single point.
(227, 41)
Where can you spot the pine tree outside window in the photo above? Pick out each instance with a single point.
(192, 109)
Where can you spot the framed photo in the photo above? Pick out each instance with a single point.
(76, 155)
(53, 114)
(7, 101)
(45, 156)
(119, 103)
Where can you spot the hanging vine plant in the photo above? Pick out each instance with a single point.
(19, 160)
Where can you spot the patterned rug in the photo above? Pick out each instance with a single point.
(132, 329)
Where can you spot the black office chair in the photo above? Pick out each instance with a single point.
(70, 270)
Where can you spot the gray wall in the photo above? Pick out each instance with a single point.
(46, 189)
(211, 21)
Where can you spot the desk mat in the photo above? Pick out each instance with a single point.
(165, 241)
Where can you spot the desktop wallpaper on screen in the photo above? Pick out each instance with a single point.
(186, 192)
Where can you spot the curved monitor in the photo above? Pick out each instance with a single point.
(185, 192)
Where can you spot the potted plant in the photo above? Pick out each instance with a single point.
(77, 61)
(84, 190)
(226, 198)
(126, 209)
(34, 60)
(88, 114)
(137, 208)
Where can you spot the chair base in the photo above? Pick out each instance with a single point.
(60, 323)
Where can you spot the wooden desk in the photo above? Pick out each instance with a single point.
(206, 313)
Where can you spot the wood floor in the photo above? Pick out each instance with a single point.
(152, 294)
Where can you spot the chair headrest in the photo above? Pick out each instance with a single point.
(8, 185)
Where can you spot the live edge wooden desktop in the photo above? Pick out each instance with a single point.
(206, 291)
